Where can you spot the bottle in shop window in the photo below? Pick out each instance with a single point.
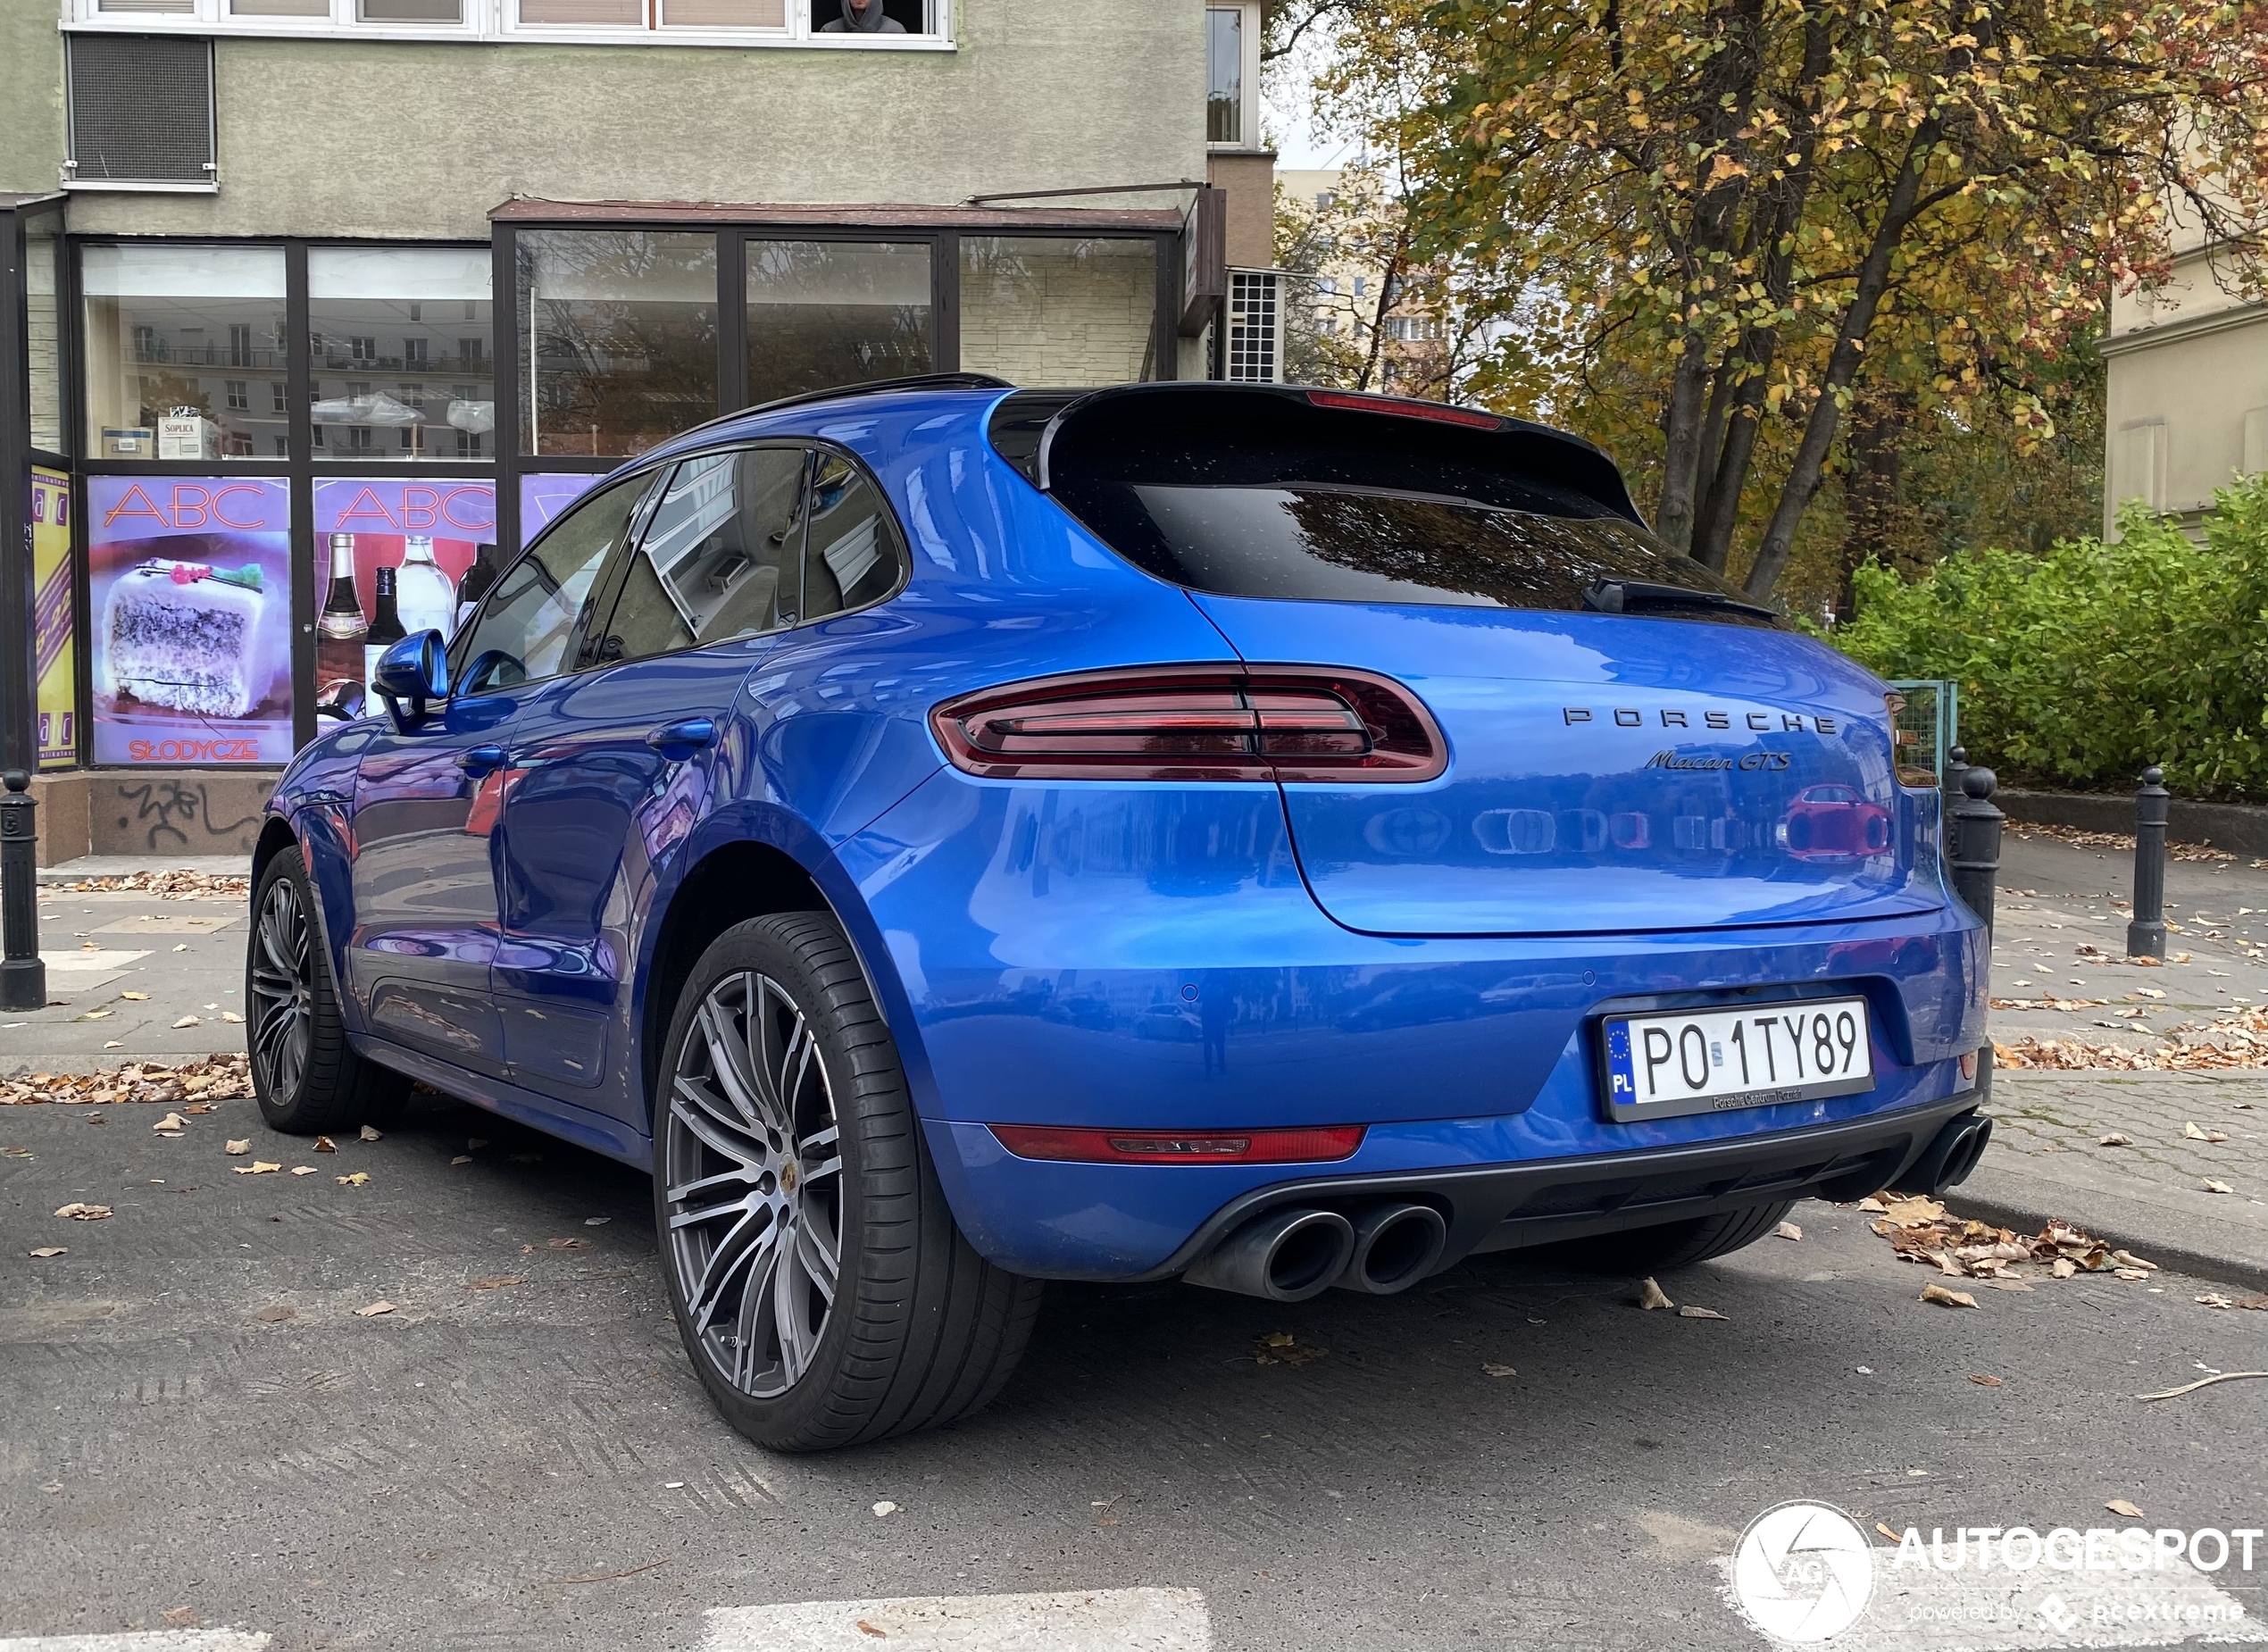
(478, 579)
(385, 629)
(342, 615)
(423, 595)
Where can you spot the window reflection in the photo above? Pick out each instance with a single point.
(167, 327)
(401, 352)
(828, 313)
(622, 339)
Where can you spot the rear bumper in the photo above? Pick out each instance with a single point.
(1509, 1206)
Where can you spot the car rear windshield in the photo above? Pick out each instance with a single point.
(1265, 496)
(1325, 542)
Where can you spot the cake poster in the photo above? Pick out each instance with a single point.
(53, 620)
(544, 496)
(437, 537)
(189, 584)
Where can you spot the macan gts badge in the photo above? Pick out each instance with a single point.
(957, 837)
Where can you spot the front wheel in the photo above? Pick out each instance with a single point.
(306, 1077)
(818, 1279)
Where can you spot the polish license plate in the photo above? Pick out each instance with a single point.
(1758, 1055)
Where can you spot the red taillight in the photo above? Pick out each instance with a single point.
(1125, 1146)
(1194, 722)
(1353, 401)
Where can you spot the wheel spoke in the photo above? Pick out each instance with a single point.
(729, 1062)
(731, 1251)
(752, 1327)
(795, 1341)
(742, 1176)
(713, 1135)
(724, 1118)
(764, 1074)
(818, 1259)
(711, 1212)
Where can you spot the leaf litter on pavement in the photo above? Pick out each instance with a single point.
(203, 1079)
(1919, 1230)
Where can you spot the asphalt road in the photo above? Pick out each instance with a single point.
(516, 1456)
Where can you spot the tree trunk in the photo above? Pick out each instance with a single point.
(1842, 366)
(1873, 453)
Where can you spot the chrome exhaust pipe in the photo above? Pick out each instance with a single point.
(1287, 1256)
(1394, 1247)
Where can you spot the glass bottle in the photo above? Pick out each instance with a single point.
(342, 615)
(478, 579)
(425, 600)
(385, 629)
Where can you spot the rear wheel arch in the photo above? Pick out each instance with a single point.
(732, 884)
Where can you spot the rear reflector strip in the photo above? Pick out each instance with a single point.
(1195, 722)
(1401, 407)
(1239, 1146)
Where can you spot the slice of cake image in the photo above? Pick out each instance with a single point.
(189, 637)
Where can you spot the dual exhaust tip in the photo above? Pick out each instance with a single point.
(1947, 1160)
(1291, 1255)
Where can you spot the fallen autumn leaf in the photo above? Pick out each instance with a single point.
(44, 1251)
(1490, 1368)
(1693, 1313)
(1788, 1231)
(2120, 1506)
(1652, 1295)
(374, 1309)
(240, 1145)
(83, 1213)
(1945, 1298)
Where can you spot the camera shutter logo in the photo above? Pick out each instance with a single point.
(1803, 1572)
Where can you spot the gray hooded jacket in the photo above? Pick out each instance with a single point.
(873, 21)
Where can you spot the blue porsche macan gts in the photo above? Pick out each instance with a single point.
(958, 837)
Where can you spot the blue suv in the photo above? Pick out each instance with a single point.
(958, 837)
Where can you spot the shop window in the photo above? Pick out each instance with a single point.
(141, 110)
(369, 306)
(623, 325)
(830, 312)
(43, 265)
(162, 328)
(1059, 310)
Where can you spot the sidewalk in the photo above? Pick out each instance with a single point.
(2063, 996)
(126, 966)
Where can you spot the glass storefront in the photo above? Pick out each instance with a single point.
(185, 354)
(619, 335)
(1058, 310)
(828, 313)
(402, 354)
(203, 457)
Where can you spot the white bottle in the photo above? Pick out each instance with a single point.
(426, 599)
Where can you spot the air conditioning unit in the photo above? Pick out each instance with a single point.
(1253, 346)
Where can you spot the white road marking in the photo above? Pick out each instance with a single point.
(1097, 1620)
(150, 1640)
(1968, 1610)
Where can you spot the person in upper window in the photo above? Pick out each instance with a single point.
(862, 17)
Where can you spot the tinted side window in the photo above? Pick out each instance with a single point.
(853, 556)
(530, 618)
(720, 557)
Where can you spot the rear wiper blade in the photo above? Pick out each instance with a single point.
(1636, 595)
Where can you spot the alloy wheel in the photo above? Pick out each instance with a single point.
(754, 1190)
(283, 990)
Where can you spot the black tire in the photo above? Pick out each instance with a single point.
(305, 1078)
(1672, 1245)
(918, 1330)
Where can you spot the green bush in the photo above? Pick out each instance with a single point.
(2082, 666)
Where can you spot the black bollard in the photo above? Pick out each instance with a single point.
(1957, 764)
(2146, 935)
(1976, 861)
(23, 978)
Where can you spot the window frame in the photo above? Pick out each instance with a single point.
(494, 21)
(141, 23)
(1248, 86)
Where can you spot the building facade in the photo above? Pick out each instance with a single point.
(2186, 408)
(316, 310)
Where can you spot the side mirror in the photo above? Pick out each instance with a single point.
(416, 669)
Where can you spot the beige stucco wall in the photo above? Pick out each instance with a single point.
(420, 140)
(2177, 410)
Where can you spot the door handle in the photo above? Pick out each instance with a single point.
(679, 740)
(482, 760)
